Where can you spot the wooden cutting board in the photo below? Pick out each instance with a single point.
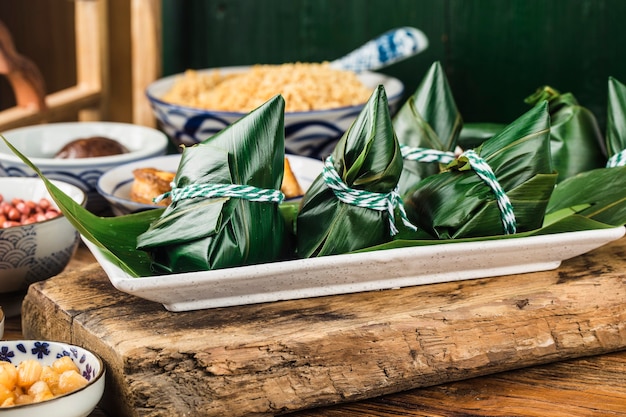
(274, 358)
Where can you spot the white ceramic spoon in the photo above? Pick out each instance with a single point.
(392, 46)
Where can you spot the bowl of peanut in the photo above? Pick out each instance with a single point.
(51, 379)
(36, 240)
(321, 102)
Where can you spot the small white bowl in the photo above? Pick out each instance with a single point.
(79, 403)
(41, 142)
(37, 251)
(116, 183)
(307, 133)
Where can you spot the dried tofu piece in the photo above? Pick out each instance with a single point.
(290, 186)
(149, 183)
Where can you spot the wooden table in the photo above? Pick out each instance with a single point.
(593, 385)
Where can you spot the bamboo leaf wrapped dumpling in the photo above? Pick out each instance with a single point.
(367, 162)
(576, 140)
(224, 210)
(459, 203)
(616, 124)
(428, 127)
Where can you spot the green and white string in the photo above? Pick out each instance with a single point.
(366, 199)
(617, 160)
(246, 192)
(484, 171)
(426, 155)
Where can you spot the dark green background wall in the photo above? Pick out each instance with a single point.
(495, 52)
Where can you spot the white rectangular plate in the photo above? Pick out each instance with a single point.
(341, 274)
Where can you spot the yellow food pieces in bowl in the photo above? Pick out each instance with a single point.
(305, 87)
(31, 382)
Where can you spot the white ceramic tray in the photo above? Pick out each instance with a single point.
(341, 274)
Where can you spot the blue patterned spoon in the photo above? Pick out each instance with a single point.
(392, 46)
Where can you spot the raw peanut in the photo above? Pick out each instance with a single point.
(19, 211)
(44, 204)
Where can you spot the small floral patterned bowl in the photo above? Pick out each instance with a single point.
(79, 403)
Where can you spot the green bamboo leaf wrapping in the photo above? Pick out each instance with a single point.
(457, 203)
(576, 141)
(367, 157)
(616, 118)
(205, 234)
(428, 119)
(600, 192)
(474, 134)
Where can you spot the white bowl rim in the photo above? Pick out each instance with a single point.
(171, 78)
(101, 373)
(158, 144)
(75, 188)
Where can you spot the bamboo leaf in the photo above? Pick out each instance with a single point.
(196, 234)
(576, 141)
(428, 119)
(458, 204)
(475, 134)
(599, 194)
(616, 118)
(368, 158)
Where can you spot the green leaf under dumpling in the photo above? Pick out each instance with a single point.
(599, 194)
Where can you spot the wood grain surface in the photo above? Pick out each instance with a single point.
(282, 357)
(590, 386)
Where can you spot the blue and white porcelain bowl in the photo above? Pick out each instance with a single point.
(79, 403)
(115, 185)
(39, 143)
(37, 251)
(309, 133)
